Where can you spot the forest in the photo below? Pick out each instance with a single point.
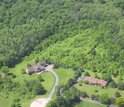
(28, 26)
(86, 33)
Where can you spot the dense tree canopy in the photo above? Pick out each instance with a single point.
(78, 33)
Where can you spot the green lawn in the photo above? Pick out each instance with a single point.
(87, 104)
(64, 74)
(48, 84)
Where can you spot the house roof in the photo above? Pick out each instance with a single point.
(102, 82)
(96, 81)
(91, 80)
(31, 69)
(42, 62)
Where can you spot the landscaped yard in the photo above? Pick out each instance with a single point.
(90, 88)
(48, 84)
(87, 104)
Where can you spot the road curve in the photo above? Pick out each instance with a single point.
(49, 68)
(43, 101)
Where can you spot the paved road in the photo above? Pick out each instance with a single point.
(49, 68)
(94, 102)
(79, 79)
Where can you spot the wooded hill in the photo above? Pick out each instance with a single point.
(79, 32)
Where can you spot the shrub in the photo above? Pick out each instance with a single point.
(92, 96)
(113, 84)
(74, 68)
(13, 75)
(107, 77)
(86, 82)
(82, 70)
(80, 84)
(95, 90)
(104, 98)
(87, 74)
(40, 78)
(56, 66)
(13, 104)
(112, 100)
(78, 73)
(120, 86)
(97, 98)
(83, 94)
(23, 71)
(29, 73)
(117, 94)
(28, 65)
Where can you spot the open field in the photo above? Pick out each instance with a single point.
(48, 84)
(64, 74)
(87, 104)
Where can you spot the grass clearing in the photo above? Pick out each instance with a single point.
(64, 74)
(87, 104)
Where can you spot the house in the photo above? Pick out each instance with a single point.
(95, 81)
(102, 82)
(91, 80)
(40, 66)
(42, 63)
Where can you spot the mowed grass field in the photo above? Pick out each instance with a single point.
(48, 84)
(64, 74)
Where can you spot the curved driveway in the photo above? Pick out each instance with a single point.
(49, 68)
(43, 101)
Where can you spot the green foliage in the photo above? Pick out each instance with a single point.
(120, 102)
(92, 97)
(113, 84)
(87, 74)
(86, 82)
(78, 73)
(95, 90)
(74, 68)
(29, 73)
(56, 66)
(40, 78)
(104, 98)
(117, 94)
(5, 69)
(84, 94)
(23, 71)
(112, 100)
(107, 77)
(120, 86)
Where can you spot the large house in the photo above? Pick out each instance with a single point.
(40, 66)
(95, 81)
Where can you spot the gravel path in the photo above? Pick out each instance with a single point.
(43, 101)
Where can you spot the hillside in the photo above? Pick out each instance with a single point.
(28, 26)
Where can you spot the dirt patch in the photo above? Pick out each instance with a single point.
(40, 102)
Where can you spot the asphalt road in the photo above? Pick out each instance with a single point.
(94, 102)
(49, 68)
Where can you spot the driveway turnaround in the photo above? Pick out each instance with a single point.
(43, 101)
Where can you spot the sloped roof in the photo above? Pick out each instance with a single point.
(31, 69)
(91, 80)
(102, 82)
(96, 81)
(42, 62)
